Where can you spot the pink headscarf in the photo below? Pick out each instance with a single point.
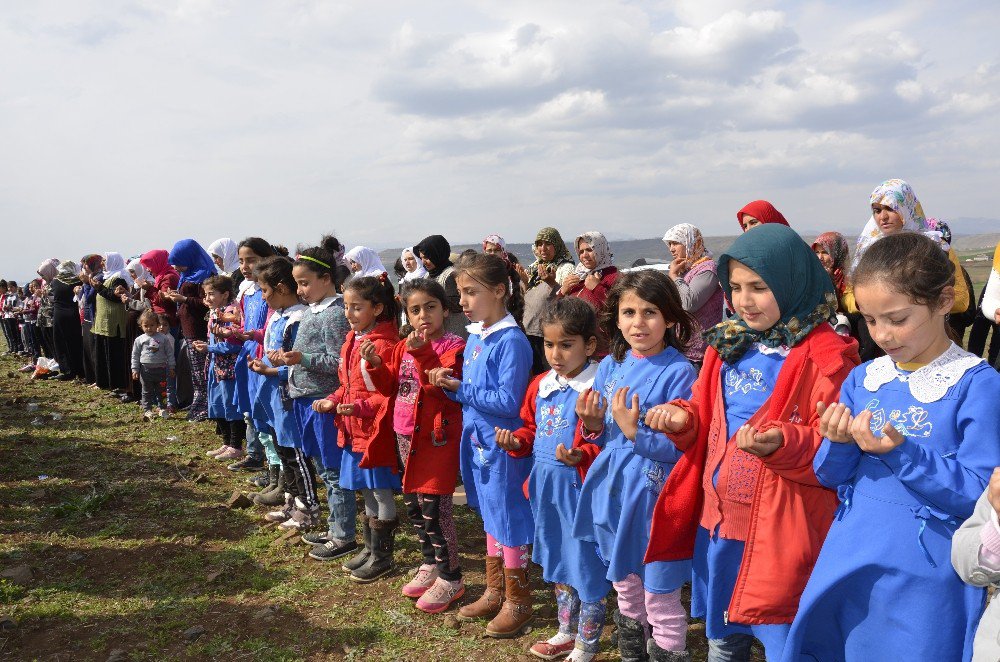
(156, 263)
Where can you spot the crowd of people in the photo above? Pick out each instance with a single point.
(798, 435)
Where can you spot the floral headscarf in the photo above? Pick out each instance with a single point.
(836, 247)
(940, 225)
(419, 272)
(227, 249)
(371, 263)
(114, 267)
(690, 237)
(898, 196)
(49, 269)
(562, 256)
(93, 262)
(602, 252)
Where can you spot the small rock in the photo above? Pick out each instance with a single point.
(239, 500)
(75, 557)
(7, 623)
(11, 374)
(212, 576)
(192, 633)
(189, 540)
(698, 626)
(37, 495)
(452, 623)
(266, 614)
(117, 655)
(190, 463)
(19, 574)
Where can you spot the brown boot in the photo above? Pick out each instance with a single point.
(488, 605)
(516, 613)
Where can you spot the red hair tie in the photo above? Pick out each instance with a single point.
(383, 277)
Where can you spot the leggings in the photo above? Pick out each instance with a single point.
(431, 516)
(379, 503)
(514, 558)
(199, 384)
(663, 612)
(584, 619)
(301, 476)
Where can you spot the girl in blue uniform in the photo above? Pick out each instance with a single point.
(495, 375)
(909, 449)
(551, 435)
(647, 326)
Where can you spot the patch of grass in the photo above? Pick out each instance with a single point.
(82, 505)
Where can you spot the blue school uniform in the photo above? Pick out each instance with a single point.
(272, 409)
(883, 587)
(746, 387)
(222, 391)
(624, 482)
(247, 381)
(495, 376)
(554, 489)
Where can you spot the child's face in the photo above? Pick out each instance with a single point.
(149, 327)
(361, 313)
(273, 296)
(480, 303)
(642, 324)
(409, 262)
(312, 287)
(889, 221)
(568, 355)
(248, 260)
(163, 328)
(426, 314)
(753, 300)
(908, 332)
(355, 267)
(215, 298)
(824, 257)
(748, 221)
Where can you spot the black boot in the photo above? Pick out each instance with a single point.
(379, 564)
(631, 639)
(657, 654)
(272, 496)
(361, 557)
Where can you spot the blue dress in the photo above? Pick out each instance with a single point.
(222, 392)
(746, 386)
(495, 376)
(883, 587)
(555, 493)
(247, 381)
(624, 482)
(272, 408)
(319, 433)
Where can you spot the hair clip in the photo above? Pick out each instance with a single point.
(383, 277)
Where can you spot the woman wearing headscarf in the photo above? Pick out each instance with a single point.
(364, 261)
(136, 303)
(834, 254)
(48, 271)
(66, 329)
(226, 255)
(694, 272)
(86, 298)
(759, 212)
(593, 277)
(435, 252)
(109, 324)
(412, 265)
(164, 281)
(542, 280)
(194, 266)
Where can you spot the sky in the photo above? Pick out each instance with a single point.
(128, 125)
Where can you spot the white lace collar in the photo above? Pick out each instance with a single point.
(552, 382)
(320, 306)
(781, 350)
(477, 327)
(929, 383)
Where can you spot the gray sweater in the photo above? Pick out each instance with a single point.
(154, 350)
(320, 336)
(965, 557)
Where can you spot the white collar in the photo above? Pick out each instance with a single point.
(929, 383)
(552, 382)
(293, 313)
(320, 306)
(477, 327)
(764, 349)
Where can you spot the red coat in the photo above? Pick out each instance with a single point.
(789, 513)
(370, 428)
(432, 467)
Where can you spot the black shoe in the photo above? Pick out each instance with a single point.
(332, 549)
(64, 378)
(247, 464)
(317, 538)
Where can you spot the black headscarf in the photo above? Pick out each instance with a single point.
(436, 249)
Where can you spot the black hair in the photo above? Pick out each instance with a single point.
(492, 271)
(259, 246)
(398, 268)
(221, 283)
(655, 287)
(468, 251)
(164, 320)
(574, 315)
(427, 286)
(3, 284)
(910, 263)
(12, 283)
(275, 271)
(377, 290)
(322, 259)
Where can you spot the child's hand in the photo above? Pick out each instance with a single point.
(256, 365)
(135, 376)
(591, 408)
(993, 490)
(625, 415)
(291, 357)
(123, 297)
(441, 377)
(323, 406)
(571, 457)
(274, 356)
(667, 418)
(345, 410)
(867, 441)
(756, 443)
(370, 354)
(835, 422)
(506, 440)
(199, 345)
(416, 340)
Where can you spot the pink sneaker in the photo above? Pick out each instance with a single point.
(215, 452)
(441, 595)
(423, 580)
(230, 453)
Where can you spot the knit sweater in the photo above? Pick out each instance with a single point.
(322, 332)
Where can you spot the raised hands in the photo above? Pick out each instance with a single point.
(291, 357)
(199, 345)
(835, 422)
(345, 409)
(570, 457)
(370, 353)
(626, 413)
(591, 408)
(416, 339)
(276, 357)
(667, 418)
(757, 443)
(323, 406)
(860, 429)
(569, 282)
(506, 440)
(441, 377)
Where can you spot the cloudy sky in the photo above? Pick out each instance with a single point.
(127, 125)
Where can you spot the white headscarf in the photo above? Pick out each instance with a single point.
(419, 272)
(371, 263)
(602, 252)
(114, 267)
(140, 271)
(227, 249)
(690, 237)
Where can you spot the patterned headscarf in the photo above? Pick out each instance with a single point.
(227, 249)
(198, 264)
(419, 272)
(763, 211)
(690, 237)
(562, 256)
(371, 263)
(940, 225)
(602, 252)
(69, 272)
(898, 196)
(93, 262)
(800, 285)
(114, 267)
(49, 269)
(836, 247)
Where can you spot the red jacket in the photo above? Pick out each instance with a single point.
(432, 467)
(785, 518)
(370, 428)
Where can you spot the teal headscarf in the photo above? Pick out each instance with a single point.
(800, 285)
